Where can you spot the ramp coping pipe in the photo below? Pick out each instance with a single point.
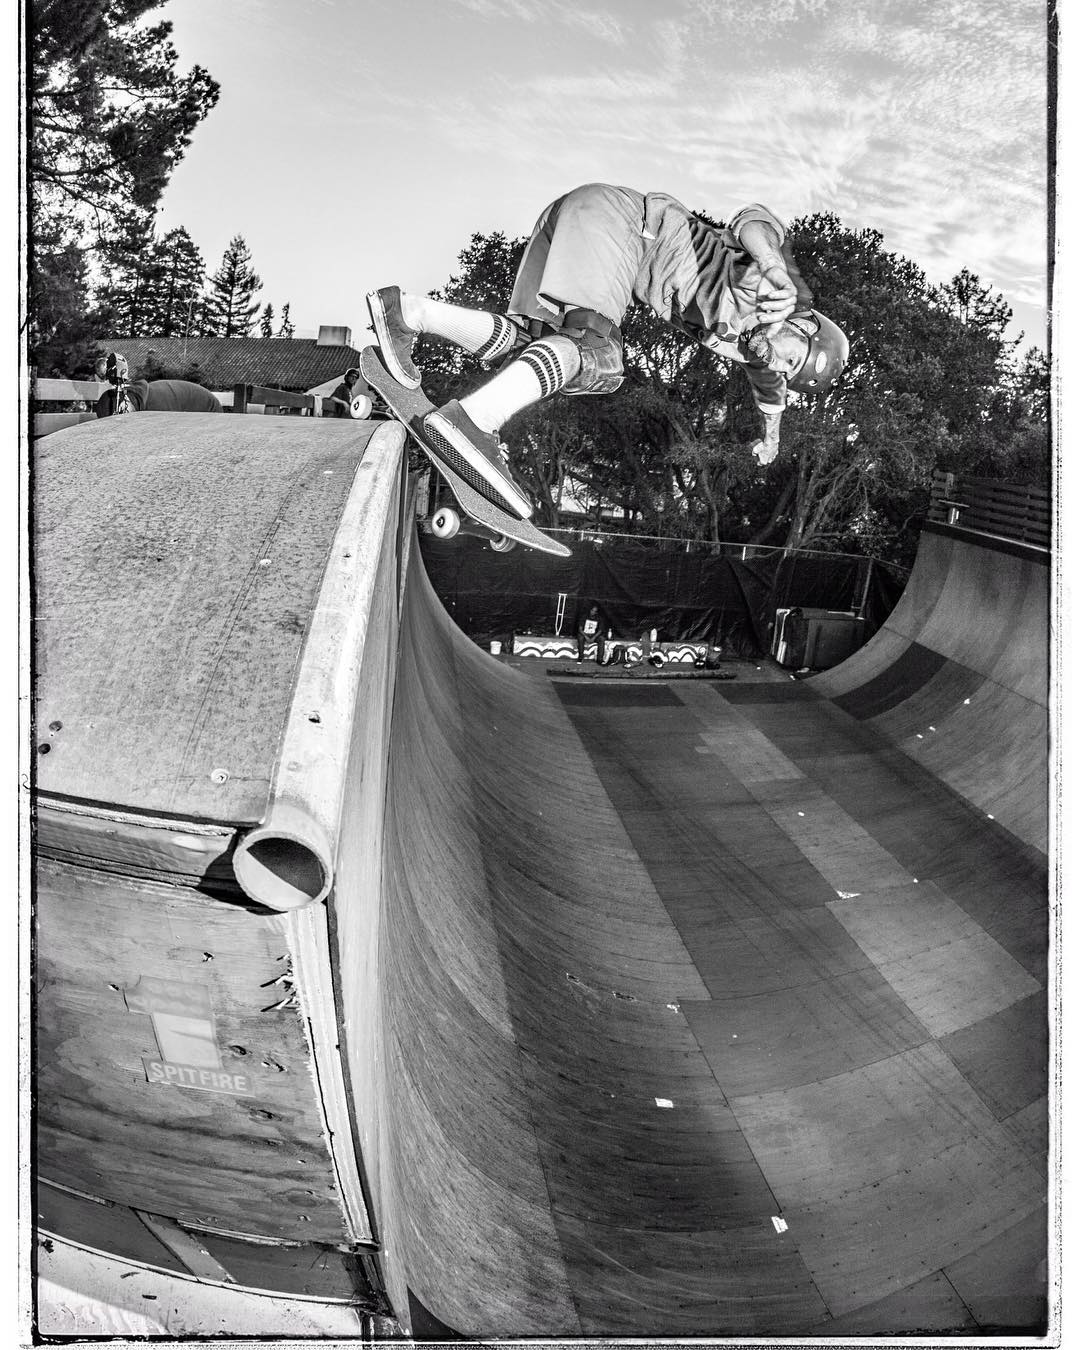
(287, 861)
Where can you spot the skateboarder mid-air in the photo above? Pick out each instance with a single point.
(736, 289)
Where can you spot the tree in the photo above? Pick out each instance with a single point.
(109, 119)
(266, 323)
(134, 267)
(182, 281)
(231, 307)
(286, 328)
(67, 327)
(151, 285)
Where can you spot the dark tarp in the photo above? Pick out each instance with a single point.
(694, 594)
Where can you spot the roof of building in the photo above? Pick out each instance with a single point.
(280, 363)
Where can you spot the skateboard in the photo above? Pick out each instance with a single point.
(477, 515)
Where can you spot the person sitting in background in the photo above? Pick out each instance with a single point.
(349, 388)
(127, 396)
(590, 628)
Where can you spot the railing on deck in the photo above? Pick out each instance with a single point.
(252, 397)
(86, 392)
(246, 398)
(988, 506)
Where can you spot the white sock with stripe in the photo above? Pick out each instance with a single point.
(489, 336)
(542, 369)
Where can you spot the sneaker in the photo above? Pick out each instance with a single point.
(395, 336)
(476, 456)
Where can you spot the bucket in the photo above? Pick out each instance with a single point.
(496, 648)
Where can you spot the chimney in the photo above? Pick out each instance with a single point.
(331, 336)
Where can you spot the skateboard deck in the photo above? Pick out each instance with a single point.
(410, 407)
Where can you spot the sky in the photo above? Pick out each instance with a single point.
(360, 143)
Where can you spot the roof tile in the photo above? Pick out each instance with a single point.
(279, 363)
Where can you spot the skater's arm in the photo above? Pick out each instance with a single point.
(766, 449)
(770, 395)
(804, 296)
(777, 293)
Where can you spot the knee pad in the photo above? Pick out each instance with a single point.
(600, 344)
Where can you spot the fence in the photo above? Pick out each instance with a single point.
(990, 507)
(245, 398)
(65, 391)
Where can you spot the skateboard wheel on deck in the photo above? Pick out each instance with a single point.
(445, 523)
(503, 544)
(360, 408)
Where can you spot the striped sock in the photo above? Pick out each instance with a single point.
(542, 369)
(488, 336)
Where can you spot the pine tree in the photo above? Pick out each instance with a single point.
(109, 118)
(182, 284)
(231, 306)
(287, 327)
(134, 269)
(266, 323)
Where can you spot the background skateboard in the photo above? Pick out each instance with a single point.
(411, 406)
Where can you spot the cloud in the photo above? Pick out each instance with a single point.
(604, 24)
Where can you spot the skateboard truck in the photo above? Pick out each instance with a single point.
(447, 523)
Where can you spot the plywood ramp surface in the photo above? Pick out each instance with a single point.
(168, 548)
(678, 1034)
(958, 677)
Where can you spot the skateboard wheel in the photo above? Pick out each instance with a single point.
(445, 523)
(503, 544)
(360, 407)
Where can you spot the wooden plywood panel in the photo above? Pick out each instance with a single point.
(938, 1211)
(922, 594)
(935, 955)
(1005, 1057)
(641, 1164)
(1005, 1282)
(983, 609)
(856, 1129)
(928, 1306)
(1030, 1127)
(866, 665)
(993, 750)
(917, 707)
(1023, 665)
(695, 1283)
(846, 854)
(952, 987)
(249, 1157)
(100, 1225)
(176, 561)
(913, 668)
(906, 1138)
(904, 921)
(762, 1042)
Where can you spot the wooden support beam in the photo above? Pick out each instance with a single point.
(186, 1248)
